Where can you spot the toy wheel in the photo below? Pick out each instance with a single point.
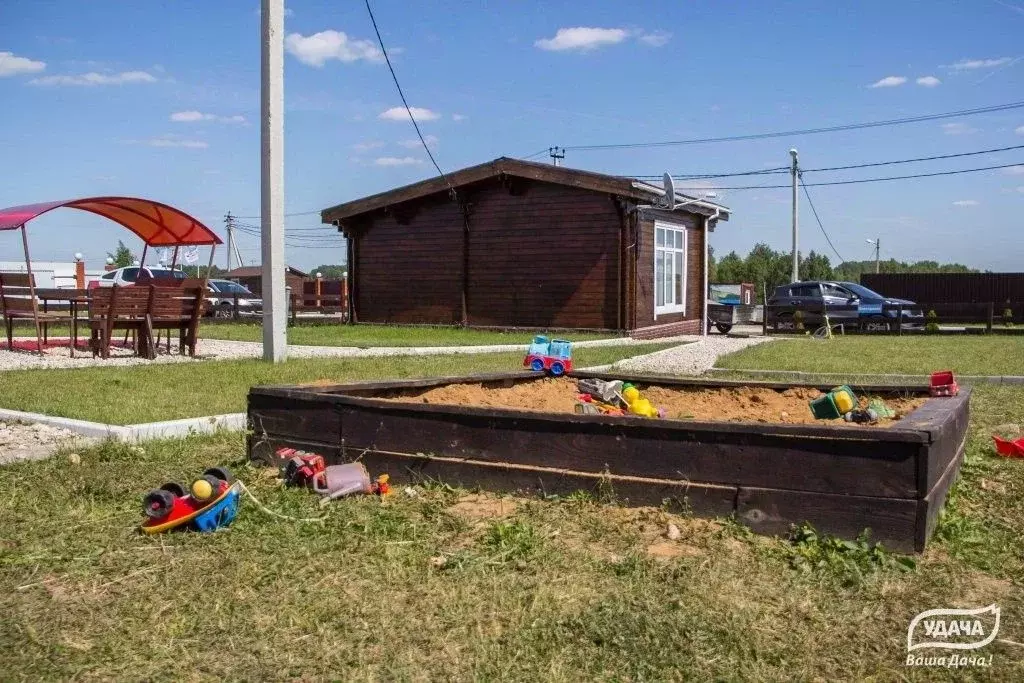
(557, 369)
(222, 473)
(537, 365)
(158, 503)
(205, 488)
(174, 487)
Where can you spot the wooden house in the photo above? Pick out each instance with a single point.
(515, 244)
(251, 277)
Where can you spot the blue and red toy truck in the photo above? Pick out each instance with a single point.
(553, 356)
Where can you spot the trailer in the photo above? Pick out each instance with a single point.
(723, 316)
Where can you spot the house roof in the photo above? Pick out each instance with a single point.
(588, 180)
(257, 271)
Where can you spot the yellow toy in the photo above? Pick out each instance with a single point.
(637, 405)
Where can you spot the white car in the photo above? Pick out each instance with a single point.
(129, 275)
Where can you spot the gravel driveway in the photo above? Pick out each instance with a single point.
(688, 359)
(34, 441)
(216, 349)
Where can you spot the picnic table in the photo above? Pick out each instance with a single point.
(75, 300)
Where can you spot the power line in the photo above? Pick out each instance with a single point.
(535, 154)
(861, 180)
(807, 131)
(816, 218)
(402, 95)
(287, 215)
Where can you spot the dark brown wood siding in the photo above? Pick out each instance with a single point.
(543, 255)
(644, 284)
(409, 265)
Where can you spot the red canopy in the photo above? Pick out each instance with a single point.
(157, 224)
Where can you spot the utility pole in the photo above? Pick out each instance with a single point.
(275, 311)
(796, 251)
(877, 242)
(229, 223)
(556, 154)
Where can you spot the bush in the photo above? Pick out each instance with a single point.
(1008, 317)
(932, 322)
(798, 319)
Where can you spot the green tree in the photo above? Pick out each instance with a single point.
(330, 272)
(815, 267)
(123, 257)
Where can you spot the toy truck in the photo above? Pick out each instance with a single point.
(553, 356)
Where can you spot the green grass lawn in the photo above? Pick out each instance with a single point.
(881, 355)
(149, 393)
(451, 586)
(336, 334)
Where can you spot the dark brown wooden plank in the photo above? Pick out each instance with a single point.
(504, 477)
(769, 511)
(294, 417)
(928, 509)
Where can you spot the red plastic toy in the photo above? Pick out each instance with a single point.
(302, 468)
(943, 384)
(211, 502)
(1009, 449)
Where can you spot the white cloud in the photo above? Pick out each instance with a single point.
(195, 116)
(1019, 130)
(965, 202)
(582, 38)
(655, 38)
(93, 78)
(12, 65)
(367, 146)
(889, 82)
(431, 141)
(958, 129)
(972, 64)
(928, 81)
(170, 141)
(317, 49)
(1014, 170)
(399, 114)
(397, 161)
(462, 117)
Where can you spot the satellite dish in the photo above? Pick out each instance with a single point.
(670, 191)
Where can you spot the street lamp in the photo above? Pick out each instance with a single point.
(877, 242)
(78, 256)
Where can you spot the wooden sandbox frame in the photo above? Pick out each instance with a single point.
(840, 478)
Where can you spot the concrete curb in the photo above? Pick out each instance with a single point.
(137, 432)
(879, 379)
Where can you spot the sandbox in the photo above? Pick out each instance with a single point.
(747, 449)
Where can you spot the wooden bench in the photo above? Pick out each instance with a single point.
(118, 308)
(18, 302)
(178, 308)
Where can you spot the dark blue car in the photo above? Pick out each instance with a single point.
(870, 316)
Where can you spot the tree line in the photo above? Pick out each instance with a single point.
(765, 267)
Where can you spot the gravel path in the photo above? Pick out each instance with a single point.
(216, 349)
(34, 441)
(688, 359)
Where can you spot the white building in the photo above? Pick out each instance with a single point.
(51, 273)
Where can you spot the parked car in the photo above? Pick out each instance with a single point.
(129, 275)
(868, 314)
(221, 301)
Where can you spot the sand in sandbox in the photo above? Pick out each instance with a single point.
(738, 404)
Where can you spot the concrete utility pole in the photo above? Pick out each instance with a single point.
(796, 247)
(275, 312)
(556, 154)
(229, 224)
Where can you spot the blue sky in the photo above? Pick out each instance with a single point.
(161, 99)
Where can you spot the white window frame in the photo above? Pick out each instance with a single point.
(674, 306)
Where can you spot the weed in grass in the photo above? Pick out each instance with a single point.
(511, 541)
(846, 562)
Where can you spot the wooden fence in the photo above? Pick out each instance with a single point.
(948, 288)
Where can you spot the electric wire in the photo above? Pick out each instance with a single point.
(805, 131)
(816, 218)
(404, 102)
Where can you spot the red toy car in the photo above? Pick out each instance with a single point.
(943, 384)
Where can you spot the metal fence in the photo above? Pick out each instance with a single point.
(948, 288)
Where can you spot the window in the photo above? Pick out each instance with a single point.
(836, 291)
(109, 276)
(807, 291)
(669, 269)
(130, 274)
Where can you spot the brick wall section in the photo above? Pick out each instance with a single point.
(667, 330)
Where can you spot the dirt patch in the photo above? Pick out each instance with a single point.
(475, 507)
(739, 404)
(668, 550)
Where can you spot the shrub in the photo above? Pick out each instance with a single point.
(1008, 317)
(798, 319)
(932, 322)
